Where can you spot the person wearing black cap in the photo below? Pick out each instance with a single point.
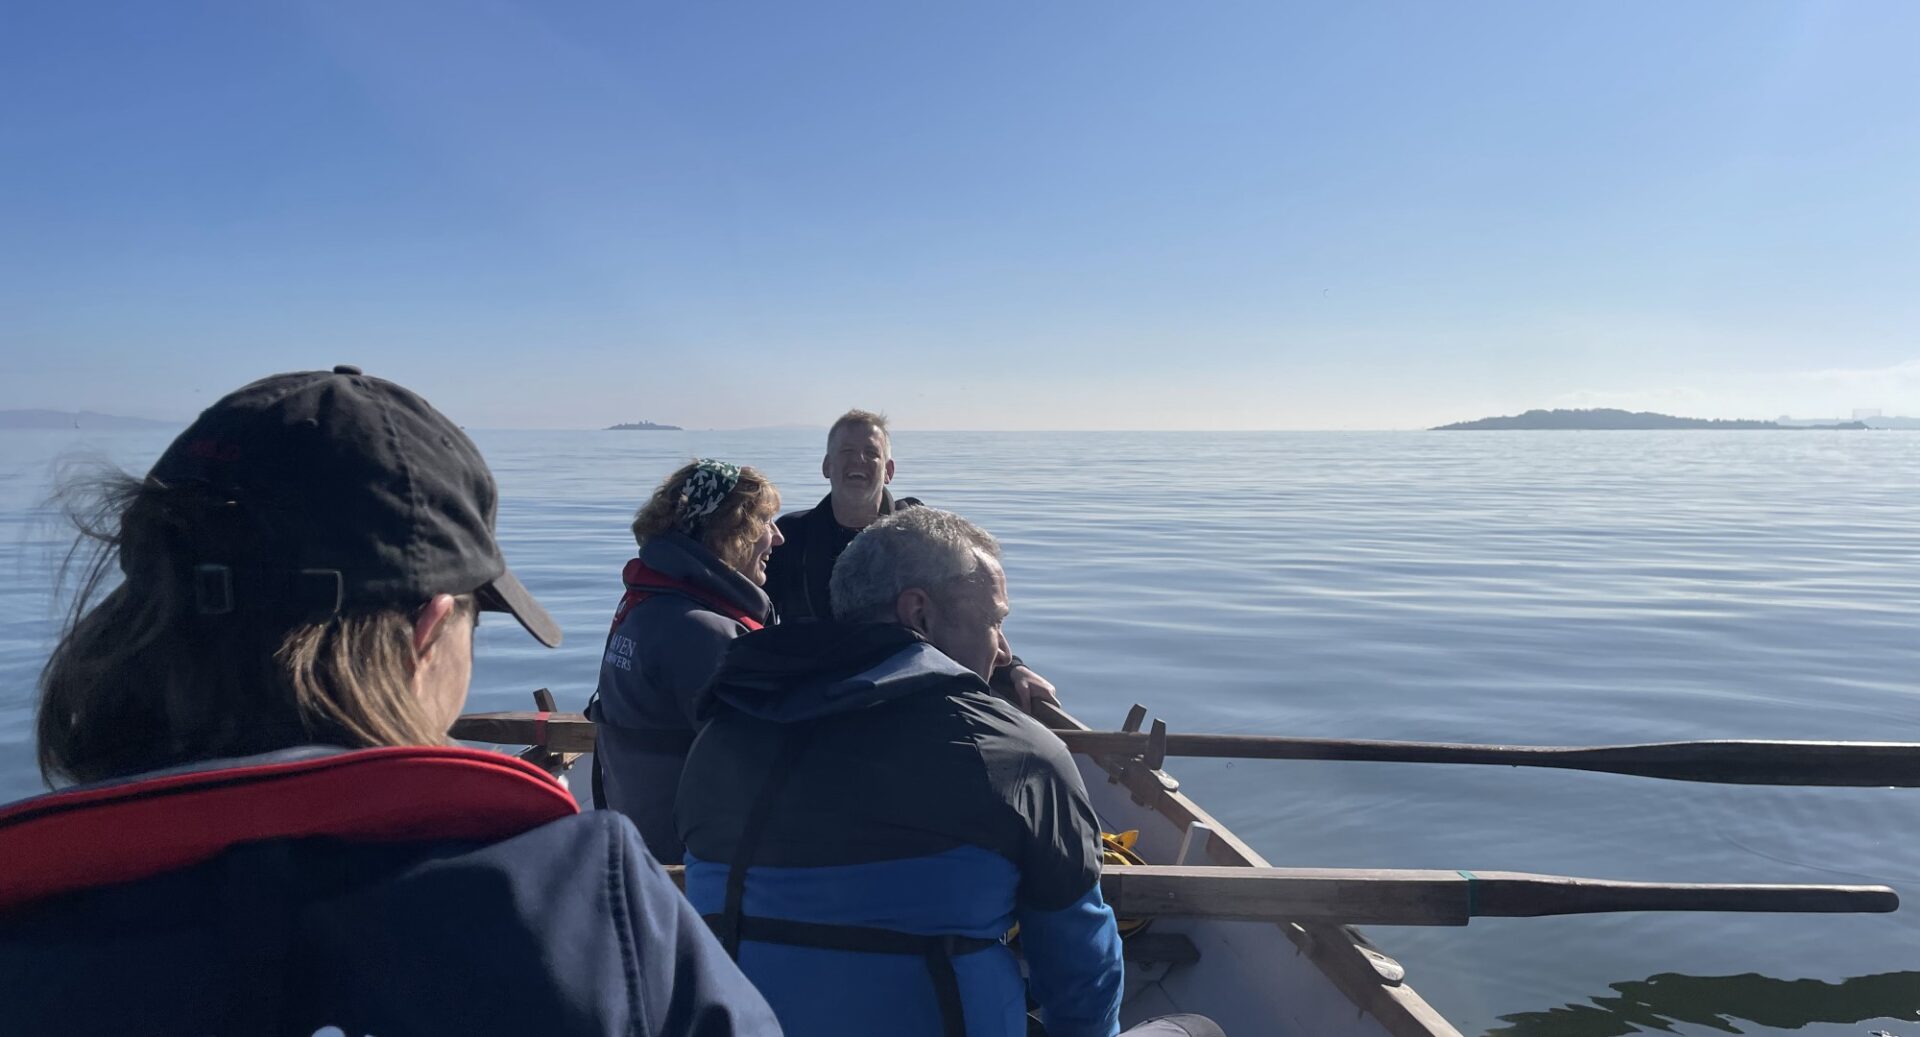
(272, 833)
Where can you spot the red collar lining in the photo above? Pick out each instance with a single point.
(70, 841)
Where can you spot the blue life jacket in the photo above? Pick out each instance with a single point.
(862, 815)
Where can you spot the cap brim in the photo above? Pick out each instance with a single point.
(507, 594)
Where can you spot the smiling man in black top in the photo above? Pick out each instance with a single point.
(858, 465)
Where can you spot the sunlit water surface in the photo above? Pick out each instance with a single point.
(1559, 588)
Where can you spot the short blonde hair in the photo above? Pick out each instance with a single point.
(857, 416)
(731, 531)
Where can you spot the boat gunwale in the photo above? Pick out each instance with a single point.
(1337, 950)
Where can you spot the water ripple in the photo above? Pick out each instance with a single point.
(1548, 588)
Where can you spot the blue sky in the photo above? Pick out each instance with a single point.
(971, 215)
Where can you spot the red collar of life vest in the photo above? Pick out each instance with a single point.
(643, 583)
(86, 838)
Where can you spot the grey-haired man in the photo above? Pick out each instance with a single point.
(862, 815)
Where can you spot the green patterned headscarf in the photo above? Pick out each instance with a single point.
(705, 489)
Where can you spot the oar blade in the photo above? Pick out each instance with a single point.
(1840, 764)
(1837, 764)
(1405, 897)
(1500, 894)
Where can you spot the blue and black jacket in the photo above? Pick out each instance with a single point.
(864, 821)
(374, 892)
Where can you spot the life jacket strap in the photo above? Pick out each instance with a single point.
(792, 745)
(733, 925)
(937, 951)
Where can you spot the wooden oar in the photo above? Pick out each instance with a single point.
(1867, 764)
(1726, 761)
(559, 732)
(1379, 897)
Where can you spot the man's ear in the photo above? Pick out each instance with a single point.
(824, 461)
(912, 610)
(889, 475)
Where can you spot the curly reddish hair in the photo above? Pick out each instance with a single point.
(733, 528)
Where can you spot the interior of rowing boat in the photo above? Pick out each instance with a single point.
(1262, 978)
(1253, 977)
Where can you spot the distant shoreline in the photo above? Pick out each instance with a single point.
(84, 419)
(643, 426)
(1607, 419)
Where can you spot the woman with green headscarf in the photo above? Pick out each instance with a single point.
(704, 538)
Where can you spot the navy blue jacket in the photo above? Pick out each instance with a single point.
(657, 659)
(568, 928)
(920, 804)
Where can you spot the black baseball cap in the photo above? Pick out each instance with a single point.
(342, 491)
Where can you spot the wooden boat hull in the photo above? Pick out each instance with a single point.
(1253, 978)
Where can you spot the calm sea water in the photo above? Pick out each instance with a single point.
(1521, 587)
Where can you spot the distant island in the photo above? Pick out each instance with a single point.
(1608, 418)
(84, 419)
(1871, 419)
(644, 426)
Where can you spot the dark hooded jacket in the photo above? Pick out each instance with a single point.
(660, 653)
(799, 570)
(904, 797)
(209, 930)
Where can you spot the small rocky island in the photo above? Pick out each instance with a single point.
(644, 426)
(86, 419)
(1609, 418)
